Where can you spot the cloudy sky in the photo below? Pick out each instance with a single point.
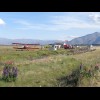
(48, 25)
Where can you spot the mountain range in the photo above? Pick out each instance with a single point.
(89, 39)
(4, 41)
(93, 38)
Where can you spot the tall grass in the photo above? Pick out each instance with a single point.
(47, 68)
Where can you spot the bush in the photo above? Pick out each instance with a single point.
(10, 73)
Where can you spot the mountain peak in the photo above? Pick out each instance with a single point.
(93, 38)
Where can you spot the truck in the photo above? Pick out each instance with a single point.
(67, 46)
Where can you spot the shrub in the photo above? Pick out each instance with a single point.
(10, 72)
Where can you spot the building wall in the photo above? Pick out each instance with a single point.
(59, 46)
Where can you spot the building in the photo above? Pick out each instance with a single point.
(56, 46)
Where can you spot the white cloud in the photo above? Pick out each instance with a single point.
(62, 23)
(64, 36)
(66, 22)
(2, 22)
(22, 22)
(36, 26)
(26, 25)
(95, 17)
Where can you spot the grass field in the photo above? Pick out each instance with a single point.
(45, 68)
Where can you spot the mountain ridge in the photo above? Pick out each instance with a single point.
(5, 41)
(93, 38)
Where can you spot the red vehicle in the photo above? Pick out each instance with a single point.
(21, 46)
(67, 46)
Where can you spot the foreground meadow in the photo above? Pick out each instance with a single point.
(47, 68)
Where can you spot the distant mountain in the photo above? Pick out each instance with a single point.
(93, 38)
(4, 41)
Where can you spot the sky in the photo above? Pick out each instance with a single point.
(48, 25)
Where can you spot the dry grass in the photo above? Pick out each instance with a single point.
(37, 71)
